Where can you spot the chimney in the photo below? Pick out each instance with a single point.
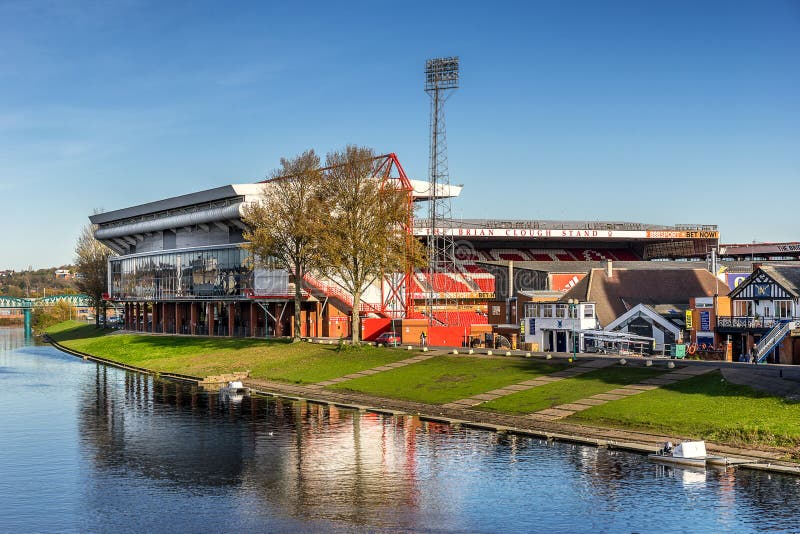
(609, 269)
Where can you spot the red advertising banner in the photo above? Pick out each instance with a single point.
(565, 281)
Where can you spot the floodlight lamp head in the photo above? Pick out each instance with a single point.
(441, 73)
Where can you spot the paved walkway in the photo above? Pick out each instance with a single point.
(375, 370)
(583, 367)
(771, 383)
(565, 410)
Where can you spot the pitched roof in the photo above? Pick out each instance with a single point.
(788, 276)
(628, 287)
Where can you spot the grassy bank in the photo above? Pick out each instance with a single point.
(281, 360)
(704, 407)
(447, 378)
(570, 390)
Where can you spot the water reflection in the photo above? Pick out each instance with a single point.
(111, 450)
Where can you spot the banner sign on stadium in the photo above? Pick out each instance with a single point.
(528, 233)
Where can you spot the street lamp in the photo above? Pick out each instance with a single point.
(573, 305)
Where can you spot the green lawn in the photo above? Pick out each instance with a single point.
(203, 356)
(706, 407)
(447, 378)
(570, 389)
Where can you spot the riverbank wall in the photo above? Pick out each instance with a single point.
(626, 440)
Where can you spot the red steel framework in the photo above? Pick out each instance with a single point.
(396, 296)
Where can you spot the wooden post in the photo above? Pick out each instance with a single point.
(231, 318)
(210, 318)
(193, 317)
(156, 315)
(253, 318)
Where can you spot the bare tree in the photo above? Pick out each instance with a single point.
(364, 237)
(285, 223)
(91, 264)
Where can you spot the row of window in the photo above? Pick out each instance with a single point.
(782, 309)
(539, 309)
(199, 273)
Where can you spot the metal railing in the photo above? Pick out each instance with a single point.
(772, 339)
(748, 322)
(333, 290)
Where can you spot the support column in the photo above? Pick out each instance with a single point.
(253, 318)
(210, 318)
(231, 318)
(163, 316)
(127, 307)
(156, 316)
(193, 318)
(178, 314)
(278, 326)
(138, 318)
(146, 317)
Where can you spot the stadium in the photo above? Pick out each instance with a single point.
(182, 268)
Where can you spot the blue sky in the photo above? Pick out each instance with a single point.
(660, 112)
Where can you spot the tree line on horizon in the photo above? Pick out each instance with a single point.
(34, 283)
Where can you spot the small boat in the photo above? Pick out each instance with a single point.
(690, 453)
(234, 391)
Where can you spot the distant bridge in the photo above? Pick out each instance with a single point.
(76, 301)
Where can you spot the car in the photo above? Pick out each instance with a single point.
(389, 338)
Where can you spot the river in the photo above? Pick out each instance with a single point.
(87, 448)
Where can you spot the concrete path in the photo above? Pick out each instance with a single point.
(565, 410)
(771, 382)
(581, 368)
(375, 370)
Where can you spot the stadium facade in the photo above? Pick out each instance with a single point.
(182, 266)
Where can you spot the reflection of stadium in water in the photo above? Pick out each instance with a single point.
(310, 462)
(130, 422)
(288, 453)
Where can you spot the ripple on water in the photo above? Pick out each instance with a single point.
(109, 450)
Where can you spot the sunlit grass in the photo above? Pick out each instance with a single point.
(570, 389)
(707, 407)
(447, 378)
(202, 356)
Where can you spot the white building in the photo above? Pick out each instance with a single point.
(557, 327)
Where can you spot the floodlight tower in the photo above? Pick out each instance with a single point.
(441, 79)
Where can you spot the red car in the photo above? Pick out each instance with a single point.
(389, 338)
